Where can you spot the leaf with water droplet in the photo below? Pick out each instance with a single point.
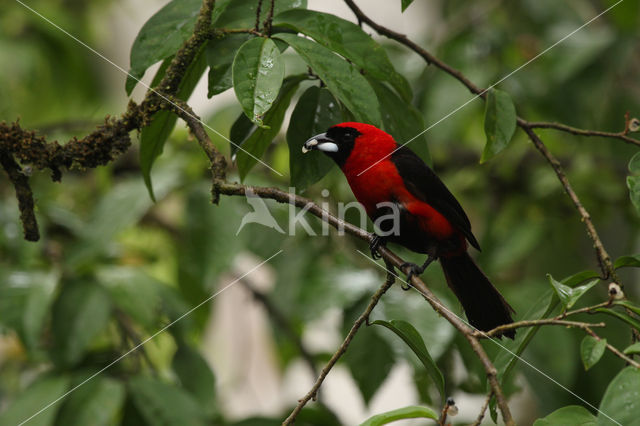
(257, 73)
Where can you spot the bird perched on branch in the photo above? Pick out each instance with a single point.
(391, 181)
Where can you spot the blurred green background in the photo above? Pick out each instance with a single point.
(112, 267)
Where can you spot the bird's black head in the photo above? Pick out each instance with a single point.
(337, 142)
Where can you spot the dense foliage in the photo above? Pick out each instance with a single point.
(129, 248)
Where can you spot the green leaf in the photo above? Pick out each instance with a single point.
(315, 112)
(42, 392)
(499, 123)
(629, 305)
(410, 412)
(402, 121)
(633, 349)
(242, 13)
(579, 277)
(591, 350)
(622, 317)
(349, 40)
(369, 359)
(201, 257)
(25, 298)
(161, 36)
(571, 415)
(220, 53)
(412, 338)
(257, 76)
(239, 132)
(80, 313)
(121, 207)
(406, 4)
(154, 136)
(506, 360)
(127, 287)
(627, 261)
(163, 403)
(621, 400)
(567, 295)
(634, 164)
(97, 402)
(342, 79)
(195, 375)
(258, 141)
(633, 183)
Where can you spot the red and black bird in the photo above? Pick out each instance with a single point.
(431, 221)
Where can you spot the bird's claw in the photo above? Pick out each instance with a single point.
(413, 270)
(376, 242)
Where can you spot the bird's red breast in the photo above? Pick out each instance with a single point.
(374, 178)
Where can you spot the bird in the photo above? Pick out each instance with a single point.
(387, 179)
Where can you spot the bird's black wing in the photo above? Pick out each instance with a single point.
(423, 183)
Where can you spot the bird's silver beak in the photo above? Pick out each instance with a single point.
(320, 142)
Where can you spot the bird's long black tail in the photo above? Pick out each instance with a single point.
(484, 305)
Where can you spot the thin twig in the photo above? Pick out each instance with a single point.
(582, 132)
(535, 323)
(341, 350)
(483, 409)
(269, 21)
(258, 12)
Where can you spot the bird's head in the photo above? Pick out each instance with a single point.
(343, 139)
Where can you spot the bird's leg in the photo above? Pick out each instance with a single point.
(415, 269)
(376, 242)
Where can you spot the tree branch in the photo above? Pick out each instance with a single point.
(364, 317)
(534, 323)
(390, 258)
(483, 409)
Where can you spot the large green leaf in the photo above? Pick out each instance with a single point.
(220, 54)
(633, 322)
(97, 402)
(506, 360)
(25, 298)
(242, 13)
(627, 261)
(315, 112)
(154, 136)
(161, 36)
(348, 40)
(412, 338)
(121, 207)
(369, 359)
(163, 403)
(499, 123)
(591, 350)
(567, 295)
(80, 313)
(634, 164)
(257, 72)
(256, 144)
(127, 287)
(574, 415)
(342, 79)
(621, 400)
(42, 392)
(195, 376)
(403, 121)
(410, 412)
